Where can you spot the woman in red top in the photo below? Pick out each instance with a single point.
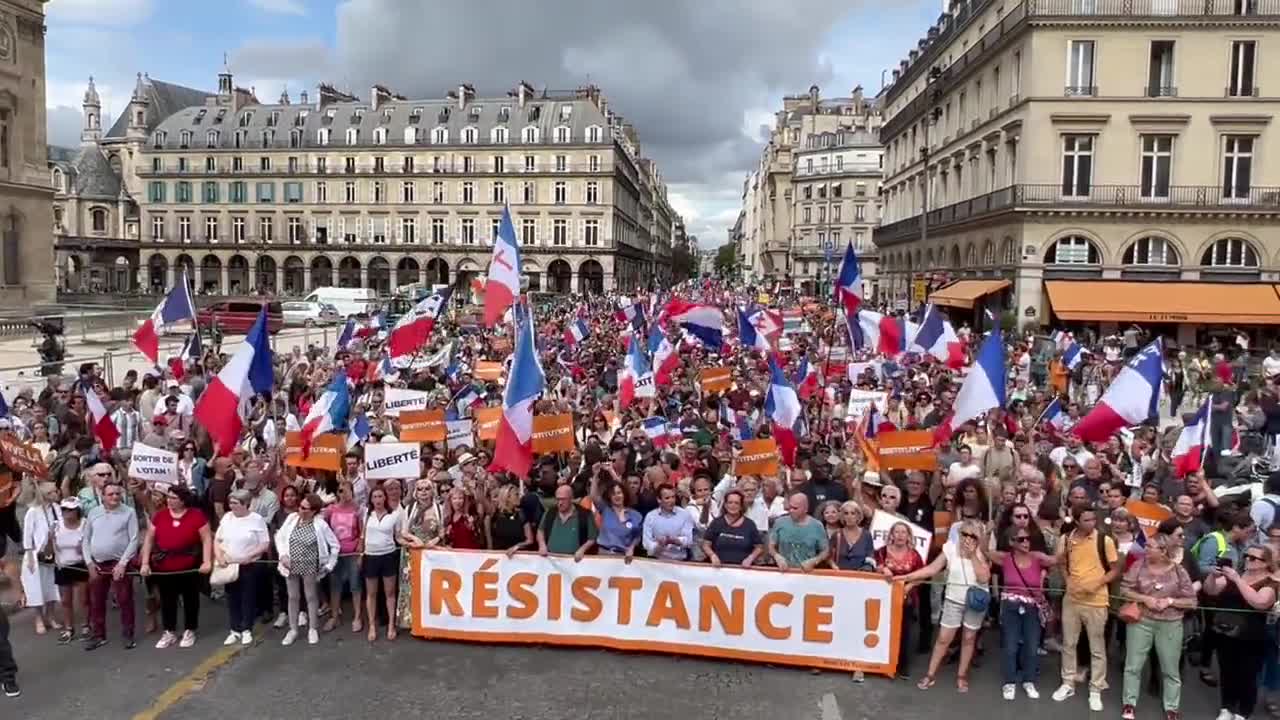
(462, 527)
(899, 557)
(178, 548)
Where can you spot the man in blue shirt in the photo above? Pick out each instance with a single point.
(668, 532)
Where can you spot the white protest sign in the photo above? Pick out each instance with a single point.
(392, 461)
(459, 433)
(398, 400)
(882, 522)
(860, 402)
(154, 465)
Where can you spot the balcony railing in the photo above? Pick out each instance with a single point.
(1081, 91)
(1153, 8)
(850, 169)
(1032, 196)
(1157, 91)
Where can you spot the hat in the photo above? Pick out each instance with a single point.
(70, 504)
(465, 458)
(871, 477)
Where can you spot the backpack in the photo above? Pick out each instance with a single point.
(1101, 538)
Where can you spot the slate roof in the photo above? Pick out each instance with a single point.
(88, 171)
(484, 114)
(166, 99)
(62, 155)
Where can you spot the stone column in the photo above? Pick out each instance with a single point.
(364, 275)
(279, 278)
(173, 275)
(306, 279)
(225, 287)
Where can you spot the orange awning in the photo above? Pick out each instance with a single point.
(1165, 302)
(963, 293)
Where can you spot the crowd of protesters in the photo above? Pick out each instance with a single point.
(1035, 551)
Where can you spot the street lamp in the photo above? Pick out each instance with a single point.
(931, 116)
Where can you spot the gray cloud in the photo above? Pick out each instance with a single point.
(64, 124)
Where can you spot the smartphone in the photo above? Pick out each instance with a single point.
(1223, 562)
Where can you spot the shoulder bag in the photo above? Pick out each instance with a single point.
(977, 599)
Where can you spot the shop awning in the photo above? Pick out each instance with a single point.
(963, 293)
(1165, 302)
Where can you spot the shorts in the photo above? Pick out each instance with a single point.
(381, 566)
(70, 575)
(346, 575)
(955, 614)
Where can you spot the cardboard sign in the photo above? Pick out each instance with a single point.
(459, 434)
(553, 433)
(422, 425)
(156, 466)
(907, 450)
(486, 422)
(392, 461)
(715, 380)
(882, 522)
(398, 400)
(488, 370)
(860, 402)
(757, 457)
(1148, 515)
(21, 456)
(326, 451)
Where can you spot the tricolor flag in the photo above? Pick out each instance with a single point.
(329, 413)
(1132, 398)
(767, 323)
(656, 430)
(99, 420)
(792, 321)
(1193, 442)
(848, 284)
(513, 450)
(225, 401)
(1072, 356)
(176, 307)
(348, 334)
(502, 286)
(936, 337)
(359, 431)
(412, 330)
(631, 313)
(382, 370)
(636, 378)
(782, 405)
(1054, 414)
(807, 378)
(577, 331)
(1062, 339)
(704, 322)
(665, 359)
(885, 334)
(749, 336)
(983, 388)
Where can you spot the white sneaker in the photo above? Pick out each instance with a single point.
(302, 619)
(1095, 701)
(246, 638)
(1031, 691)
(281, 620)
(166, 640)
(1063, 692)
(1224, 714)
(313, 637)
(289, 637)
(233, 637)
(188, 639)
(1009, 691)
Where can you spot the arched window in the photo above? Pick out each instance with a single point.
(1232, 252)
(184, 139)
(1009, 252)
(530, 134)
(594, 134)
(440, 135)
(322, 136)
(98, 218)
(1151, 250)
(411, 136)
(499, 135)
(211, 139)
(971, 256)
(295, 138)
(380, 136)
(469, 135)
(563, 134)
(59, 180)
(1072, 250)
(157, 139)
(353, 136)
(988, 253)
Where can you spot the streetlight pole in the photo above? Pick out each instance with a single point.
(930, 117)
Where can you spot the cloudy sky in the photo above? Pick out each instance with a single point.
(699, 80)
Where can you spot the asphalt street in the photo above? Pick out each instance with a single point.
(347, 677)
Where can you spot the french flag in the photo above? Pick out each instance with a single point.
(656, 430)
(1072, 356)
(636, 378)
(632, 314)
(359, 431)
(225, 401)
(348, 334)
(704, 322)
(99, 420)
(782, 405)
(382, 371)
(373, 326)
(503, 284)
(806, 379)
(849, 281)
(1062, 339)
(983, 388)
(175, 308)
(1054, 414)
(465, 400)
(1193, 441)
(665, 359)
(766, 322)
(513, 450)
(1132, 397)
(869, 330)
(412, 331)
(329, 412)
(749, 336)
(936, 337)
(577, 331)
(190, 353)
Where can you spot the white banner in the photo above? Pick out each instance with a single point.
(398, 400)
(154, 465)
(828, 619)
(459, 434)
(882, 522)
(860, 402)
(392, 460)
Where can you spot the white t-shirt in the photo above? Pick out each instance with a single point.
(958, 473)
(1059, 454)
(239, 536)
(67, 545)
(380, 533)
(185, 406)
(960, 574)
(1270, 366)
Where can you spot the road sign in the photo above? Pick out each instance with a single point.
(919, 290)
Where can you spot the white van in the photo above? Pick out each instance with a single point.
(347, 301)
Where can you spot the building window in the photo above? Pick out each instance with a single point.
(1157, 163)
(266, 192)
(530, 163)
(238, 192)
(379, 192)
(468, 164)
(1237, 166)
(560, 232)
(495, 229)
(1151, 251)
(353, 136)
(157, 227)
(409, 230)
(378, 230)
(210, 165)
(295, 231)
(322, 192)
(469, 136)
(183, 192)
(499, 193)
(593, 192)
(379, 164)
(349, 165)
(440, 136)
(1160, 69)
(211, 139)
(1230, 253)
(835, 213)
(499, 164)
(807, 214)
(211, 228)
(468, 231)
(184, 228)
(530, 193)
(561, 195)
(322, 136)
(528, 231)
(437, 192)
(1080, 70)
(349, 192)
(380, 136)
(408, 192)
(594, 134)
(1077, 165)
(593, 163)
(1240, 84)
(530, 134)
(468, 193)
(407, 165)
(562, 163)
(1072, 250)
(437, 231)
(808, 192)
(98, 218)
(499, 136)
(562, 134)
(591, 233)
(322, 166)
(238, 230)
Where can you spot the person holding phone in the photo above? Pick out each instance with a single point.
(1239, 627)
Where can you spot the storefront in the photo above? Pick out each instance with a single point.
(966, 300)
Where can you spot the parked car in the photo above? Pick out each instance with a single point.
(347, 301)
(303, 312)
(235, 317)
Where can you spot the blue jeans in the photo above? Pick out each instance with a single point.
(1019, 640)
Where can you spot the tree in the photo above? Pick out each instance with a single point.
(684, 264)
(726, 259)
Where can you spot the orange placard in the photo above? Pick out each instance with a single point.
(553, 433)
(906, 450)
(1148, 515)
(488, 370)
(757, 457)
(715, 380)
(422, 426)
(326, 451)
(22, 456)
(486, 422)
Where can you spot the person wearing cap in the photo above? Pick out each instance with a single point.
(69, 572)
(184, 406)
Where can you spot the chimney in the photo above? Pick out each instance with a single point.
(896, 74)
(466, 93)
(378, 95)
(813, 96)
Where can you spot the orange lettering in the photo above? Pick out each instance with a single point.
(554, 594)
(485, 593)
(731, 616)
(584, 592)
(764, 621)
(625, 587)
(668, 604)
(525, 600)
(817, 618)
(445, 586)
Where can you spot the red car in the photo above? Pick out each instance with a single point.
(235, 317)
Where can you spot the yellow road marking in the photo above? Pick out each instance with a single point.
(189, 683)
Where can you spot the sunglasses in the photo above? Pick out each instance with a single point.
(1021, 516)
(971, 536)
(1022, 538)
